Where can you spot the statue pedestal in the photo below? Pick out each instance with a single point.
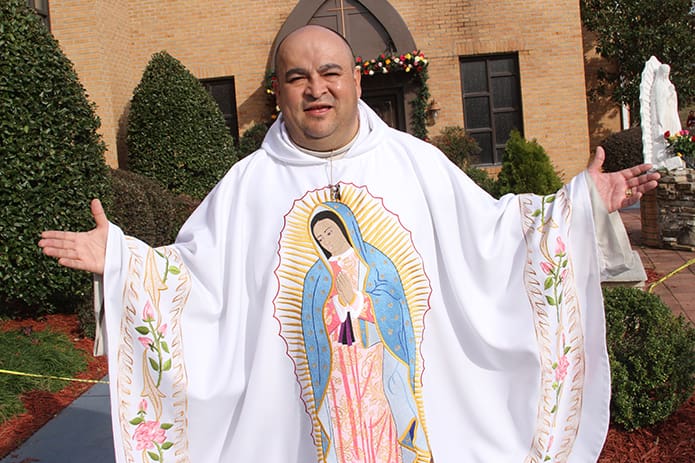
(668, 213)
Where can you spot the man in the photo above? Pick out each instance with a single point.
(345, 294)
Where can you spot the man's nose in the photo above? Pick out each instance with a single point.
(315, 88)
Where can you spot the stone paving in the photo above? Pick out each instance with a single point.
(678, 292)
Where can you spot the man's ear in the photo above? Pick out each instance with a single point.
(357, 75)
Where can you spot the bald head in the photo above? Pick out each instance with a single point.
(317, 88)
(317, 30)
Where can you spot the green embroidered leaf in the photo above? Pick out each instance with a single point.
(142, 329)
(537, 212)
(550, 299)
(565, 262)
(559, 299)
(567, 349)
(555, 385)
(547, 457)
(174, 270)
(136, 421)
(167, 365)
(554, 365)
(167, 445)
(554, 409)
(153, 455)
(154, 364)
(548, 282)
(549, 199)
(165, 347)
(159, 253)
(166, 425)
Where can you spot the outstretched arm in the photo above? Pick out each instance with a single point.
(624, 188)
(80, 250)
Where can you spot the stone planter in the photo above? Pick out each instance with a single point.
(668, 213)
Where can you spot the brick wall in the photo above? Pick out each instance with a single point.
(605, 115)
(111, 41)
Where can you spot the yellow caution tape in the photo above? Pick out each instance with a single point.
(61, 378)
(661, 280)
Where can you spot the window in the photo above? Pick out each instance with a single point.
(41, 8)
(491, 102)
(223, 92)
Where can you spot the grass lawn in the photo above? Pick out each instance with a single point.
(45, 352)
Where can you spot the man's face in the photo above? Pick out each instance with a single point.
(317, 89)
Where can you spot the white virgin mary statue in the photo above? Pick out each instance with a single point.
(659, 114)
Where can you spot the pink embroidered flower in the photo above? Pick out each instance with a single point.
(560, 249)
(145, 341)
(148, 312)
(147, 433)
(143, 406)
(561, 370)
(162, 329)
(547, 267)
(563, 275)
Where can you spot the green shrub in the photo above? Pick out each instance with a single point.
(176, 132)
(144, 209)
(526, 168)
(652, 357)
(482, 178)
(51, 163)
(252, 138)
(623, 150)
(458, 146)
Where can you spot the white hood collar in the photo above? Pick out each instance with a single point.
(277, 141)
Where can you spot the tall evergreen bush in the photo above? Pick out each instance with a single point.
(526, 168)
(176, 132)
(51, 162)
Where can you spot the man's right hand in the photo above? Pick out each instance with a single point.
(80, 250)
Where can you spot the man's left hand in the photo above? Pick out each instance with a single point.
(624, 188)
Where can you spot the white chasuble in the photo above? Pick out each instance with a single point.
(413, 319)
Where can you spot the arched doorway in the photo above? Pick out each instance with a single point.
(372, 27)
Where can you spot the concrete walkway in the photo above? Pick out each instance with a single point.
(82, 432)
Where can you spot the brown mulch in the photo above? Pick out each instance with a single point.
(41, 406)
(672, 441)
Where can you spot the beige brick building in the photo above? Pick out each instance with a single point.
(510, 63)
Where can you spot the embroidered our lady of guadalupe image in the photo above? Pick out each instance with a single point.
(351, 301)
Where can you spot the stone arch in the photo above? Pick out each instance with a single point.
(386, 21)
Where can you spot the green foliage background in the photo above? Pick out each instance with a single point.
(526, 168)
(623, 150)
(176, 132)
(51, 162)
(630, 32)
(652, 357)
(143, 208)
(252, 139)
